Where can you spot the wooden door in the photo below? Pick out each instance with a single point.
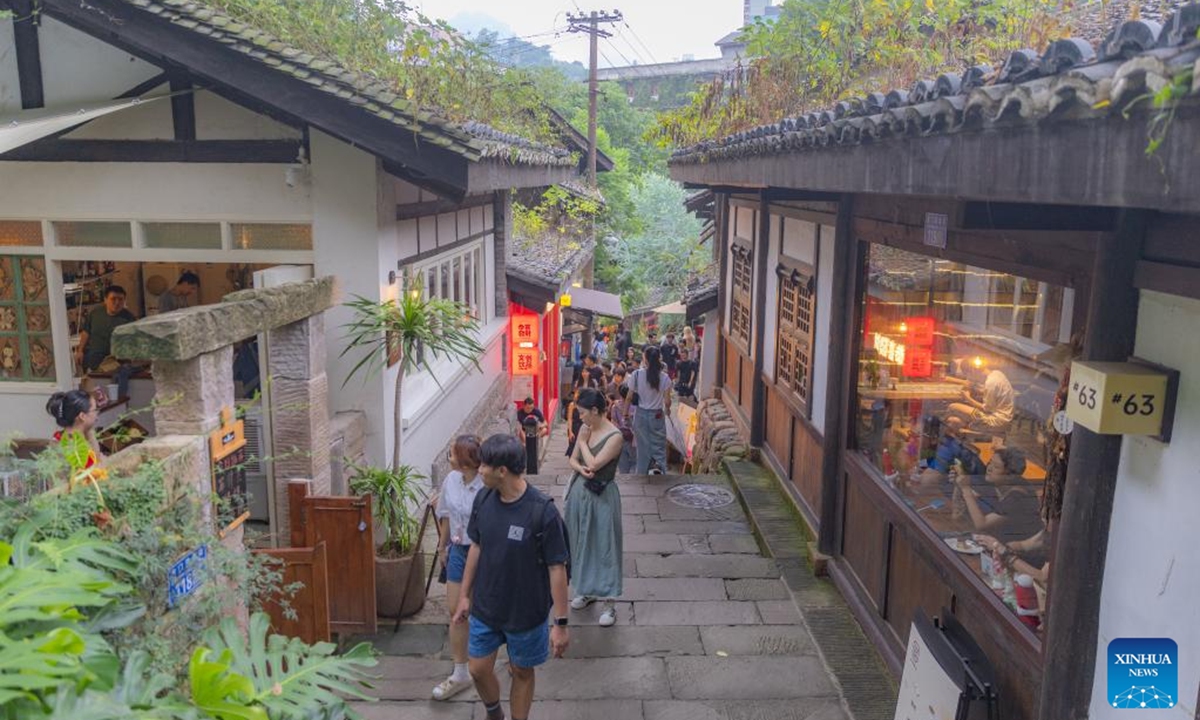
(344, 525)
(311, 601)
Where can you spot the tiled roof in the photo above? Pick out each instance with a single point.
(1070, 80)
(474, 141)
(702, 286)
(548, 262)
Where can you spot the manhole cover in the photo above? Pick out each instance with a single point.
(694, 495)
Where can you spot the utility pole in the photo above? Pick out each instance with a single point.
(590, 23)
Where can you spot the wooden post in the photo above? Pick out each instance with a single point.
(840, 366)
(1073, 612)
(722, 240)
(297, 491)
(758, 389)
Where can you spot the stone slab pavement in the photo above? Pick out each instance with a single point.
(707, 630)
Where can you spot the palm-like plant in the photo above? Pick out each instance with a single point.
(397, 494)
(424, 329)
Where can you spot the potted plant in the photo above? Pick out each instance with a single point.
(398, 501)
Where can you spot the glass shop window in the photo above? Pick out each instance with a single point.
(959, 374)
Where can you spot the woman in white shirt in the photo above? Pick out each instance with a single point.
(653, 390)
(454, 512)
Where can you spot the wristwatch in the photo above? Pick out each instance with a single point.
(562, 621)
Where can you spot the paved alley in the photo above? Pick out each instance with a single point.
(706, 630)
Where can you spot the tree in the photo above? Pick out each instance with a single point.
(666, 249)
(421, 328)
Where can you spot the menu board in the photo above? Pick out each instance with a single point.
(227, 445)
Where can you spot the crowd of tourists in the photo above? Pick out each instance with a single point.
(515, 566)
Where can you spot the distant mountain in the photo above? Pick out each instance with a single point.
(515, 52)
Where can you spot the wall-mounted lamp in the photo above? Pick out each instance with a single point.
(391, 277)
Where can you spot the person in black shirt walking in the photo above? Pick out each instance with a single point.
(516, 573)
(670, 354)
(531, 426)
(685, 375)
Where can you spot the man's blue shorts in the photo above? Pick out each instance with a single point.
(525, 649)
(456, 563)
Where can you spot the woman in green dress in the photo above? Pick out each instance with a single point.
(593, 512)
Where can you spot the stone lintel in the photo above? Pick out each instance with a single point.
(185, 334)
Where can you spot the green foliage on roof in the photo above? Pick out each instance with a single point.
(820, 51)
(422, 60)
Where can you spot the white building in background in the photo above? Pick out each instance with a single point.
(247, 162)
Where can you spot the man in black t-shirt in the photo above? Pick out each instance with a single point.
(531, 425)
(685, 376)
(516, 572)
(670, 354)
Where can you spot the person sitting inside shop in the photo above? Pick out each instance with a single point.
(181, 295)
(1003, 506)
(95, 337)
(993, 414)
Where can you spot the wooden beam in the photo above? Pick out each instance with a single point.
(721, 247)
(157, 151)
(1073, 610)
(183, 108)
(1167, 278)
(839, 366)
(758, 389)
(412, 211)
(29, 55)
(143, 87)
(217, 65)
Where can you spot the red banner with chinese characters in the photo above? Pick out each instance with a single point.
(919, 331)
(524, 361)
(918, 362)
(524, 329)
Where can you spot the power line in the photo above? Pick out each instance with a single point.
(637, 54)
(639, 39)
(613, 45)
(590, 23)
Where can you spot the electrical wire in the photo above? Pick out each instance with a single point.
(640, 42)
(633, 48)
(613, 45)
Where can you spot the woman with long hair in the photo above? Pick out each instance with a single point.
(454, 512)
(593, 512)
(652, 389)
(75, 413)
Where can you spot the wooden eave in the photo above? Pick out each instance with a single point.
(213, 64)
(1095, 162)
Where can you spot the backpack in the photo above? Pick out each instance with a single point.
(539, 535)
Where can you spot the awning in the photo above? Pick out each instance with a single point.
(597, 302)
(26, 127)
(675, 308)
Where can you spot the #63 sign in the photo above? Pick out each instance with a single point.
(1119, 398)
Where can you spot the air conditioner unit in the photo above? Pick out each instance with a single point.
(256, 470)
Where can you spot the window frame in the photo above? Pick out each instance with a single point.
(448, 280)
(25, 337)
(741, 295)
(792, 340)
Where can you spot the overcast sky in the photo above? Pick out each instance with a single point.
(669, 29)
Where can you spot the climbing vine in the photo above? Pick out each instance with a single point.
(820, 51)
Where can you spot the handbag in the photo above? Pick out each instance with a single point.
(627, 434)
(596, 487)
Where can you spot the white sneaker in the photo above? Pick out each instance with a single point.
(450, 687)
(608, 618)
(655, 471)
(579, 602)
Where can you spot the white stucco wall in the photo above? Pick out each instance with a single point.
(79, 68)
(821, 338)
(10, 88)
(1151, 580)
(149, 191)
(346, 244)
(770, 296)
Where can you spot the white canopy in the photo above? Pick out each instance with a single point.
(32, 125)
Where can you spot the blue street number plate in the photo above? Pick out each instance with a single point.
(186, 575)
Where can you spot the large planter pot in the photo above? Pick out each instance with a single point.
(389, 585)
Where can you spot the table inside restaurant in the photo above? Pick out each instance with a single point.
(945, 391)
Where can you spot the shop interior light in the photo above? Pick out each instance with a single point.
(903, 327)
(977, 362)
(526, 344)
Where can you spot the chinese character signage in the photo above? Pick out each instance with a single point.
(524, 361)
(918, 362)
(227, 445)
(524, 329)
(919, 331)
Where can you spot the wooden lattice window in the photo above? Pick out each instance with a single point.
(794, 338)
(26, 347)
(741, 298)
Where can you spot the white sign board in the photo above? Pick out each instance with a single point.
(937, 226)
(927, 692)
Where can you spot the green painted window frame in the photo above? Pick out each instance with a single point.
(23, 334)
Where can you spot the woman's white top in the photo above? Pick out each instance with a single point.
(455, 503)
(648, 397)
